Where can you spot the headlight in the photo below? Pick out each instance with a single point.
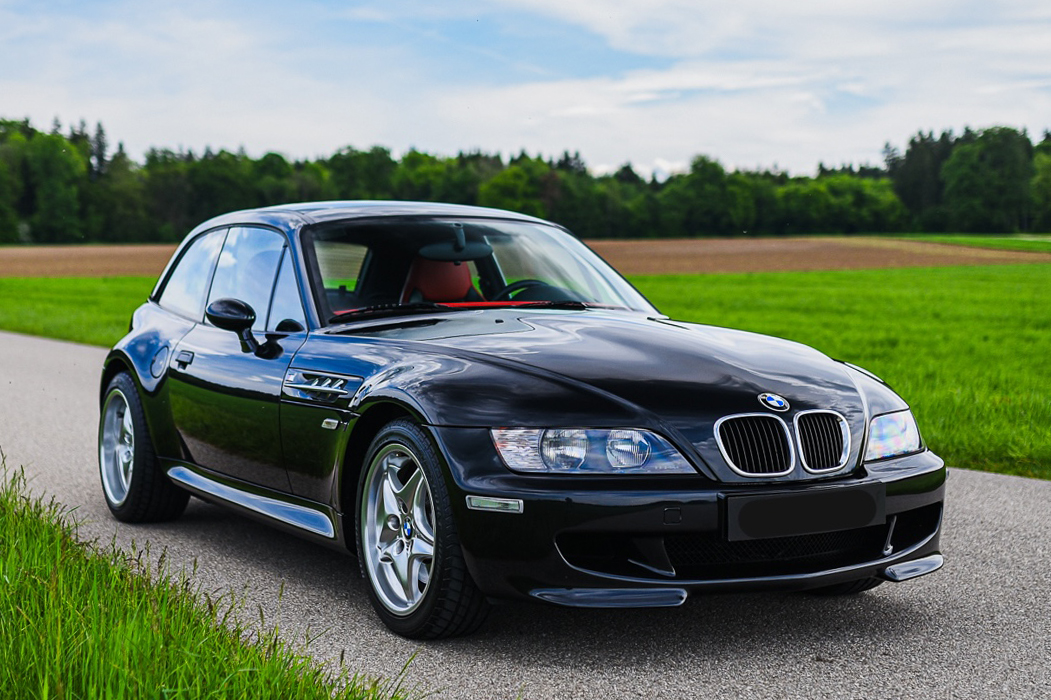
(892, 434)
(588, 451)
(563, 450)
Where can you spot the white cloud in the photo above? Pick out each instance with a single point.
(760, 84)
(179, 77)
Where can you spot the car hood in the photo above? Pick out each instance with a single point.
(668, 367)
(683, 376)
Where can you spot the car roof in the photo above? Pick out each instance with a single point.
(292, 216)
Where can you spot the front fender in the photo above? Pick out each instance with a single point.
(458, 388)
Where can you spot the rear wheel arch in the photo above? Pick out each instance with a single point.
(119, 363)
(115, 364)
(135, 486)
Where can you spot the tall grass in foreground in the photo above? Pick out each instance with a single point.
(968, 347)
(75, 623)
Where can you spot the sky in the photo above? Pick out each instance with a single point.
(752, 83)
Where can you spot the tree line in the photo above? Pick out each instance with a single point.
(69, 187)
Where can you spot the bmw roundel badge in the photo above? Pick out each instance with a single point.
(773, 401)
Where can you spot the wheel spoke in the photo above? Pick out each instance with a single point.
(127, 429)
(422, 549)
(386, 552)
(388, 502)
(413, 492)
(425, 532)
(395, 462)
(385, 536)
(422, 511)
(419, 575)
(402, 569)
(125, 472)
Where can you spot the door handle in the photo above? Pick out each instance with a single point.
(184, 358)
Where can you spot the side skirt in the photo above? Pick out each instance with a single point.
(314, 521)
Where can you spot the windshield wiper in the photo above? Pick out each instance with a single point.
(388, 310)
(417, 307)
(567, 304)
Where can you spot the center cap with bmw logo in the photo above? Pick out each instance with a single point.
(774, 402)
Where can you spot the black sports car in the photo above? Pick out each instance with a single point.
(481, 408)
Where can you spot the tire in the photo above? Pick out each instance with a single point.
(407, 545)
(848, 588)
(135, 488)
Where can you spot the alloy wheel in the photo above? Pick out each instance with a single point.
(398, 532)
(117, 447)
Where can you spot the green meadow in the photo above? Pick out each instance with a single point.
(92, 310)
(966, 346)
(1033, 243)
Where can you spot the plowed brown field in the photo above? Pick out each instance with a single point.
(630, 257)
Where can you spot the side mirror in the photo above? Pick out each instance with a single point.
(234, 315)
(290, 326)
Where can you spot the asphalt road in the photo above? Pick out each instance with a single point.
(980, 628)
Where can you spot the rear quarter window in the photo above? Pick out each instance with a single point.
(185, 289)
(340, 264)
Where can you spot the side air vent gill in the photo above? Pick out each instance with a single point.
(319, 387)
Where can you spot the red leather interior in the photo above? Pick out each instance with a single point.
(437, 281)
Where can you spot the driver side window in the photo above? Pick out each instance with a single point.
(247, 268)
(184, 290)
(286, 310)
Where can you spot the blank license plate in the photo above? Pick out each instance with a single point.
(790, 514)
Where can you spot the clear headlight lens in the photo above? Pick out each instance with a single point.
(562, 449)
(627, 449)
(588, 451)
(892, 434)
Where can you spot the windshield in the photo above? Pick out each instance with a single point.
(437, 263)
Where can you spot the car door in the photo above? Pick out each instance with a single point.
(224, 399)
(315, 409)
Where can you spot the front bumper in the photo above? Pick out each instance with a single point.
(638, 541)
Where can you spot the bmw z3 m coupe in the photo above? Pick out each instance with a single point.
(480, 408)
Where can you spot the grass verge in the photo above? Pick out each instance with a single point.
(1035, 243)
(82, 624)
(966, 346)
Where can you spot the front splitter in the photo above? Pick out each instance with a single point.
(612, 597)
(911, 569)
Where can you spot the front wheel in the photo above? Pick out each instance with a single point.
(407, 544)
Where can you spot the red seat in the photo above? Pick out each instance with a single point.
(437, 281)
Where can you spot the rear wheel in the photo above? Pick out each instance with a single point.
(135, 488)
(407, 544)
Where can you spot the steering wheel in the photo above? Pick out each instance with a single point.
(505, 293)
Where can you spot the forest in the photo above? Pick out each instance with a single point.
(70, 186)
